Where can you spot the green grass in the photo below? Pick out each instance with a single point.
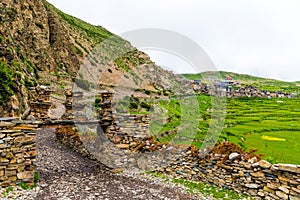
(95, 33)
(203, 188)
(283, 151)
(246, 121)
(7, 191)
(180, 118)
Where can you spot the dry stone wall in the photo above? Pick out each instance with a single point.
(17, 152)
(41, 102)
(251, 176)
(235, 171)
(68, 136)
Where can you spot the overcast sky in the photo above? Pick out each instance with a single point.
(258, 37)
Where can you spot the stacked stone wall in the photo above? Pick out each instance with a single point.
(17, 152)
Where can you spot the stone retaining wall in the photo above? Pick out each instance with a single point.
(17, 152)
(251, 176)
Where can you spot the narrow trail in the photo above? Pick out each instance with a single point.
(67, 175)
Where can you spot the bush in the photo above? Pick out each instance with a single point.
(145, 105)
(6, 82)
(133, 105)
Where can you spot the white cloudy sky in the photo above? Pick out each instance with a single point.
(259, 37)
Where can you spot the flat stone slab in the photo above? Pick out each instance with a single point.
(8, 119)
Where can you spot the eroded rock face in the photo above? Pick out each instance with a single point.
(40, 34)
(43, 46)
(39, 47)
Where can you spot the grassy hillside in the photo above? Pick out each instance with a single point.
(263, 83)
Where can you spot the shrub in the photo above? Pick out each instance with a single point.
(145, 105)
(133, 105)
(6, 82)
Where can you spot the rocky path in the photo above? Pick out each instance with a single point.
(67, 175)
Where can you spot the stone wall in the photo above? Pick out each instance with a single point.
(237, 171)
(40, 103)
(240, 172)
(17, 152)
(68, 136)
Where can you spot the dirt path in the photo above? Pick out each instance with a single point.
(67, 175)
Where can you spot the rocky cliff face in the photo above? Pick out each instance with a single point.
(40, 45)
(37, 49)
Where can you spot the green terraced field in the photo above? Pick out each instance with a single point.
(248, 122)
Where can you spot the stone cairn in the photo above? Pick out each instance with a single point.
(41, 102)
(105, 109)
(17, 152)
(74, 109)
(126, 131)
(68, 115)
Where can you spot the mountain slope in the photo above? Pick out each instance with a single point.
(40, 45)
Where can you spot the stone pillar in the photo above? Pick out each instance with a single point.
(41, 102)
(74, 106)
(68, 115)
(105, 112)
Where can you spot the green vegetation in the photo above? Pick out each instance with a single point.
(36, 176)
(24, 186)
(129, 56)
(7, 191)
(203, 188)
(250, 121)
(95, 33)
(6, 82)
(270, 125)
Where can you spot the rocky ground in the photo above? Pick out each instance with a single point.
(66, 175)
